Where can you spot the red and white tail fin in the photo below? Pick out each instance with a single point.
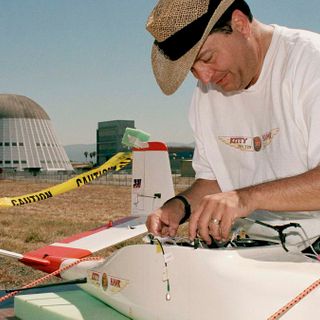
(151, 186)
(151, 178)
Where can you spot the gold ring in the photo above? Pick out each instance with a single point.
(215, 221)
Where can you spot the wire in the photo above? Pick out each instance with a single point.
(309, 242)
(152, 238)
(278, 228)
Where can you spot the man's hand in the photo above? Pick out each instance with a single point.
(165, 220)
(216, 214)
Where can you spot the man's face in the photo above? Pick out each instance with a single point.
(228, 61)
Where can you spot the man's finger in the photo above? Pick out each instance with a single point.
(193, 223)
(204, 223)
(173, 230)
(154, 224)
(215, 228)
(225, 226)
(164, 231)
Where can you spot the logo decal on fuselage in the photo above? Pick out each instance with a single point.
(117, 284)
(104, 281)
(253, 144)
(94, 278)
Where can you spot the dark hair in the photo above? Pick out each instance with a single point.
(224, 23)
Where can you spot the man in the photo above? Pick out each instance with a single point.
(255, 113)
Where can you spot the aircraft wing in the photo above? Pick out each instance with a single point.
(81, 245)
(106, 235)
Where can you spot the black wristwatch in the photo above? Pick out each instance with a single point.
(187, 207)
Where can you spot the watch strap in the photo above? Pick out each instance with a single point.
(187, 207)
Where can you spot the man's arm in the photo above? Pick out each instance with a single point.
(165, 220)
(297, 193)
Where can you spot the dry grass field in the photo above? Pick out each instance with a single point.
(34, 225)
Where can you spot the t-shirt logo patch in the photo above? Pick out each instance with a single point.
(254, 144)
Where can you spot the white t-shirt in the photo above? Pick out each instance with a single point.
(269, 131)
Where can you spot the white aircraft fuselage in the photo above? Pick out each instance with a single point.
(222, 283)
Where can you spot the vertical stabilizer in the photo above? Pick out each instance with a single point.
(151, 178)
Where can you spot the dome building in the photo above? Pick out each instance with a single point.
(27, 139)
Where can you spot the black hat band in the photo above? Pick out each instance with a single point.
(183, 40)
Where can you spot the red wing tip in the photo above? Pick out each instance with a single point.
(34, 260)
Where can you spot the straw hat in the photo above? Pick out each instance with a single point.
(180, 27)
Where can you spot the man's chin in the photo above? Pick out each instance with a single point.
(227, 88)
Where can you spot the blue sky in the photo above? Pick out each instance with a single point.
(86, 61)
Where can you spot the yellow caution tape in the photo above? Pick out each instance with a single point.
(116, 163)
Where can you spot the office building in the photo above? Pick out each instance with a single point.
(109, 137)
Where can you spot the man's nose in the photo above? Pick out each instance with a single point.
(202, 74)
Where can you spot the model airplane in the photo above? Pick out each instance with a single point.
(263, 267)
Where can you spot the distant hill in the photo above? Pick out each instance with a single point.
(180, 144)
(76, 152)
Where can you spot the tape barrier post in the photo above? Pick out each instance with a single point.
(116, 163)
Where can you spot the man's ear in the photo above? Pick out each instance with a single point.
(240, 23)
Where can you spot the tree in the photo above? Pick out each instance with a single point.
(92, 154)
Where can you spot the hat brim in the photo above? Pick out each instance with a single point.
(170, 74)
